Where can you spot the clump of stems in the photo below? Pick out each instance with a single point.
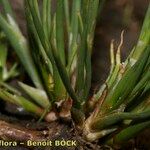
(57, 57)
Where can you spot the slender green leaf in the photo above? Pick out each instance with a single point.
(7, 8)
(11, 73)
(60, 31)
(122, 90)
(20, 45)
(21, 101)
(9, 88)
(46, 17)
(130, 132)
(144, 38)
(67, 15)
(3, 54)
(52, 55)
(114, 119)
(39, 96)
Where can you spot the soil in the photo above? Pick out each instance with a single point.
(22, 130)
(117, 15)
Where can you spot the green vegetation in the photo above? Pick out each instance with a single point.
(57, 58)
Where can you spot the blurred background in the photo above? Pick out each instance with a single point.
(116, 15)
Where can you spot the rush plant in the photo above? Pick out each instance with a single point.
(57, 57)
